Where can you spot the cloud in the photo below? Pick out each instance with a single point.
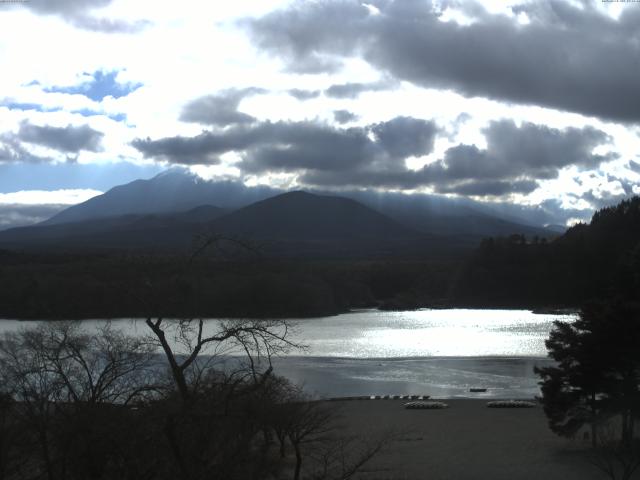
(86, 112)
(41, 197)
(107, 25)
(299, 94)
(494, 188)
(12, 151)
(515, 159)
(26, 207)
(220, 109)
(97, 86)
(78, 13)
(533, 151)
(610, 190)
(314, 63)
(202, 149)
(68, 139)
(353, 90)
(291, 146)
(18, 215)
(64, 7)
(344, 116)
(403, 137)
(26, 106)
(568, 57)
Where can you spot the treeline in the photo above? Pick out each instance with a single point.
(596, 260)
(601, 259)
(59, 286)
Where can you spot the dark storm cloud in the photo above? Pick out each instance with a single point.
(495, 188)
(294, 143)
(405, 136)
(308, 146)
(344, 116)
(374, 156)
(68, 139)
(289, 146)
(514, 160)
(303, 94)
(320, 148)
(353, 90)
(209, 145)
(534, 151)
(78, 13)
(13, 152)
(220, 109)
(567, 58)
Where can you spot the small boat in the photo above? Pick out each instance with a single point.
(477, 390)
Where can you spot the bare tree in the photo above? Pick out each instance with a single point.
(64, 378)
(257, 341)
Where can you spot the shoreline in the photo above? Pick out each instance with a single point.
(440, 378)
(537, 310)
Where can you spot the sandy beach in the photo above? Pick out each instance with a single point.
(465, 441)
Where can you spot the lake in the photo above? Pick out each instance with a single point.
(442, 353)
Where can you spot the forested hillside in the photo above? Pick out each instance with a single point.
(592, 260)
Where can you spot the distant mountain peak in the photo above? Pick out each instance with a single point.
(175, 172)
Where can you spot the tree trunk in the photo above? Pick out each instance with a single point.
(44, 443)
(296, 474)
(626, 428)
(169, 430)
(176, 371)
(594, 412)
(282, 440)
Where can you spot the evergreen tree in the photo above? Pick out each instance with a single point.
(597, 374)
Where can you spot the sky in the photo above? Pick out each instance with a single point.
(531, 103)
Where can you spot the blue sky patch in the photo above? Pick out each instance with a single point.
(102, 84)
(11, 105)
(46, 176)
(86, 112)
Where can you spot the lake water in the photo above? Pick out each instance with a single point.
(442, 353)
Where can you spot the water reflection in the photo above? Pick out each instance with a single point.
(422, 333)
(426, 333)
(442, 353)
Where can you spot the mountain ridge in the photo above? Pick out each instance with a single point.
(177, 190)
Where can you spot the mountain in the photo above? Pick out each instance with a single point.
(302, 216)
(177, 190)
(304, 224)
(449, 216)
(291, 224)
(166, 231)
(168, 210)
(173, 191)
